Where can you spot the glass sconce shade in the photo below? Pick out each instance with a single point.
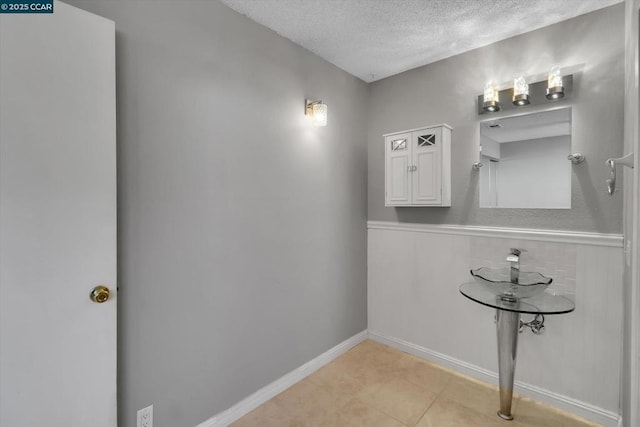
(491, 97)
(520, 91)
(319, 115)
(555, 90)
(317, 112)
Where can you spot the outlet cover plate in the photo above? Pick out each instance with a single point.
(145, 417)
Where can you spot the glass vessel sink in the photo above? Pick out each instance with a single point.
(498, 282)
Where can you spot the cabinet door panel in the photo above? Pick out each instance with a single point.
(398, 184)
(426, 184)
(427, 146)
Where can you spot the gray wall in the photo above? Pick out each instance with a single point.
(446, 92)
(242, 251)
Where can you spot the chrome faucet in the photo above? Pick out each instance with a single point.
(514, 259)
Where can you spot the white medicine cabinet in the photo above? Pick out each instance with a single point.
(418, 167)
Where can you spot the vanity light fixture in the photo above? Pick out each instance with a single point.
(491, 102)
(525, 91)
(555, 90)
(520, 91)
(316, 111)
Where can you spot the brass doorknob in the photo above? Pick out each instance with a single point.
(99, 294)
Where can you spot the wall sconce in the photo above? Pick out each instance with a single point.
(520, 91)
(555, 90)
(491, 97)
(316, 111)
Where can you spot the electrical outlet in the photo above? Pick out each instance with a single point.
(145, 417)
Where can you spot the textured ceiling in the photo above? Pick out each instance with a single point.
(373, 39)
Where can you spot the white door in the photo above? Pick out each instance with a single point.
(427, 158)
(57, 219)
(398, 169)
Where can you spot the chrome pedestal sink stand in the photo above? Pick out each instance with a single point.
(508, 328)
(508, 325)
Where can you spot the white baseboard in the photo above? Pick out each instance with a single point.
(585, 410)
(269, 391)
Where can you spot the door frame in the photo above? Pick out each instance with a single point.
(632, 207)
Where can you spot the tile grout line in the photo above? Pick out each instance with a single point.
(355, 396)
(426, 410)
(438, 395)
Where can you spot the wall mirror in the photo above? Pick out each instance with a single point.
(524, 161)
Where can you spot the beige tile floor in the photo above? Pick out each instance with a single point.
(374, 385)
